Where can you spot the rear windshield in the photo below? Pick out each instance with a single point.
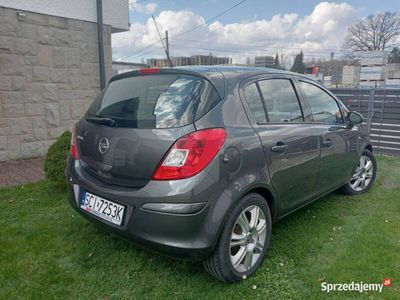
(156, 101)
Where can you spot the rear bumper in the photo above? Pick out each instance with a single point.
(191, 232)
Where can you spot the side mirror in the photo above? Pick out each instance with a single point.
(354, 118)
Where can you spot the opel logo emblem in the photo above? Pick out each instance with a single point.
(104, 144)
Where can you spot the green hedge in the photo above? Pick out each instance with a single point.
(55, 161)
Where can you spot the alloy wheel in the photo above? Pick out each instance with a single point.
(363, 174)
(248, 238)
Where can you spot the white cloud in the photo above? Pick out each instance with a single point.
(328, 20)
(148, 8)
(174, 22)
(324, 28)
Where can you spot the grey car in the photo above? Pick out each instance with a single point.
(199, 162)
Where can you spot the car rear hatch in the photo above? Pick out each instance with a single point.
(133, 122)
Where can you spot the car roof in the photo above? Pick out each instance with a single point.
(217, 75)
(229, 69)
(239, 71)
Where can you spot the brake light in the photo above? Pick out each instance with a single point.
(190, 154)
(150, 71)
(73, 150)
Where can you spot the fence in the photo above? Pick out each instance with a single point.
(381, 108)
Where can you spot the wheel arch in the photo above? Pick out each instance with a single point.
(269, 198)
(261, 188)
(368, 147)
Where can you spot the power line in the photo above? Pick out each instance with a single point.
(138, 53)
(144, 48)
(257, 44)
(174, 37)
(142, 54)
(254, 51)
(191, 29)
(138, 1)
(166, 48)
(212, 19)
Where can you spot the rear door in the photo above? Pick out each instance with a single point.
(338, 143)
(132, 124)
(290, 144)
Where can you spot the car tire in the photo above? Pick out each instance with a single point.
(364, 174)
(239, 238)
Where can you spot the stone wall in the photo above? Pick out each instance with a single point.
(49, 74)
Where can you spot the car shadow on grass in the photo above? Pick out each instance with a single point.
(289, 233)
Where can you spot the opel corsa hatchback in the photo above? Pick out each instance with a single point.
(198, 162)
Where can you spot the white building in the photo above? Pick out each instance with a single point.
(49, 68)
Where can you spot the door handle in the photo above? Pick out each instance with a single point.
(279, 147)
(327, 143)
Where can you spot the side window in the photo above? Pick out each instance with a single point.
(323, 107)
(254, 101)
(281, 100)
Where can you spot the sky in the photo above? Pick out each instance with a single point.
(242, 29)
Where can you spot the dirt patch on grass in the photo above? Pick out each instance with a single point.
(390, 184)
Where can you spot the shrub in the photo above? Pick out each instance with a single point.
(55, 160)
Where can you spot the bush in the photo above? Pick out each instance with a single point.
(55, 160)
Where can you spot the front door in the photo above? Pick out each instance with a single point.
(339, 155)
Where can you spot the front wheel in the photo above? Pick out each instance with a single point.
(243, 242)
(364, 175)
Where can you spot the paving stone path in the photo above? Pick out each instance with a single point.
(21, 171)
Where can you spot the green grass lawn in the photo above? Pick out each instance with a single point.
(48, 251)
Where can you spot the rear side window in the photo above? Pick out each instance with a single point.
(254, 101)
(281, 100)
(156, 101)
(323, 107)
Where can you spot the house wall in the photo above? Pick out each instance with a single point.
(49, 74)
(115, 12)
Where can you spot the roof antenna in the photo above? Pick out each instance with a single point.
(162, 42)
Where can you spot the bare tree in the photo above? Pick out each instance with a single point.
(376, 32)
(285, 61)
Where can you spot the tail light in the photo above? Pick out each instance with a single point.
(190, 154)
(73, 150)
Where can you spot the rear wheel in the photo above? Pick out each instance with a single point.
(243, 242)
(364, 175)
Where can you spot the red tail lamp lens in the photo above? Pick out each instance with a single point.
(73, 150)
(190, 154)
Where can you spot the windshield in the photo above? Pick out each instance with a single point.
(157, 101)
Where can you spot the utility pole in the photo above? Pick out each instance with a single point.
(333, 69)
(167, 44)
(100, 32)
(166, 49)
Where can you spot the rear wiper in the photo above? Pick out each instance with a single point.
(102, 120)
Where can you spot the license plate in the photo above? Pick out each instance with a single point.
(104, 209)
